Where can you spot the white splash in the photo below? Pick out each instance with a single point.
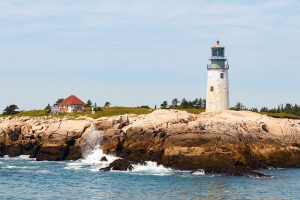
(21, 157)
(199, 172)
(92, 140)
(19, 167)
(92, 160)
(95, 157)
(152, 168)
(92, 154)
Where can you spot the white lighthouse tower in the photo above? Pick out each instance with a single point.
(217, 80)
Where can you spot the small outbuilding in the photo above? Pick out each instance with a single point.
(69, 105)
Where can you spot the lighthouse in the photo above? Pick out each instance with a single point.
(217, 80)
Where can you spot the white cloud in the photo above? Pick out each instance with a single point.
(83, 16)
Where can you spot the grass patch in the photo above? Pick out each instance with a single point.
(106, 112)
(113, 111)
(192, 110)
(33, 113)
(281, 115)
(29, 113)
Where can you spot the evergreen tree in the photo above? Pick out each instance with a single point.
(200, 103)
(196, 103)
(48, 107)
(164, 105)
(11, 110)
(254, 109)
(175, 103)
(88, 103)
(107, 104)
(264, 109)
(239, 106)
(96, 108)
(184, 103)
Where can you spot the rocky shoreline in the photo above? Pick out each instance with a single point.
(230, 142)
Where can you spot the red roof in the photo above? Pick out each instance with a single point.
(72, 100)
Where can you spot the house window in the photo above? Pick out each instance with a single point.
(211, 89)
(222, 75)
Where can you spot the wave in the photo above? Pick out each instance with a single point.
(200, 172)
(92, 160)
(152, 168)
(93, 163)
(260, 177)
(43, 172)
(19, 167)
(21, 157)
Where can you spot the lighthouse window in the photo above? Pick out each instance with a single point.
(211, 89)
(222, 75)
(221, 52)
(214, 52)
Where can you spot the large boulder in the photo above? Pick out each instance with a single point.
(34, 151)
(14, 150)
(119, 165)
(53, 151)
(74, 153)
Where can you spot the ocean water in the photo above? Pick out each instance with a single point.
(24, 178)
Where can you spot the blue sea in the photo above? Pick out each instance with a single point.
(24, 178)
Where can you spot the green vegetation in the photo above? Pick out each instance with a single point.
(58, 101)
(184, 104)
(287, 108)
(88, 103)
(164, 105)
(113, 111)
(192, 110)
(11, 110)
(103, 112)
(107, 104)
(33, 113)
(197, 106)
(48, 107)
(291, 111)
(281, 115)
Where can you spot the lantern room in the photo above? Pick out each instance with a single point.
(218, 50)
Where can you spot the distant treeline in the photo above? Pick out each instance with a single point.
(184, 103)
(201, 103)
(287, 108)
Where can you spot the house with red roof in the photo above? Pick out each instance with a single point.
(69, 105)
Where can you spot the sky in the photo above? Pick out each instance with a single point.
(142, 52)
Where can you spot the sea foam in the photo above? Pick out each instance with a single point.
(92, 162)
